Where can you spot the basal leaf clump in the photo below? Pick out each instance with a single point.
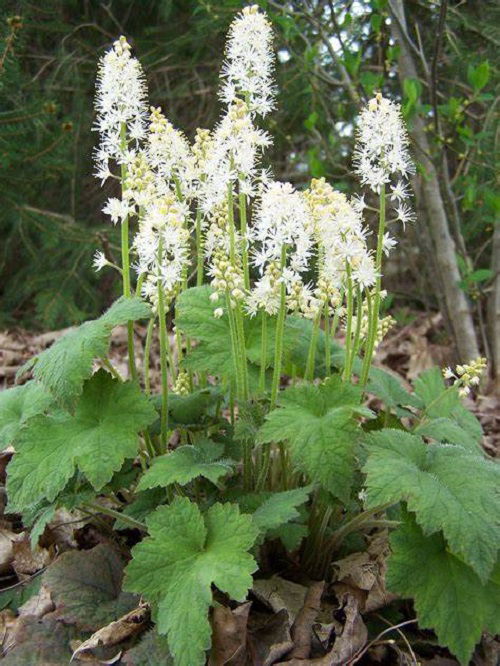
(256, 442)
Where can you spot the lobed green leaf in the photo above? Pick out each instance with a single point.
(449, 488)
(96, 439)
(449, 596)
(175, 567)
(63, 367)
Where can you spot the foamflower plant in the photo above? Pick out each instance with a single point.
(258, 434)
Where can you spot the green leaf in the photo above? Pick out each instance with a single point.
(448, 596)
(290, 534)
(86, 587)
(447, 430)
(176, 565)
(17, 405)
(190, 409)
(481, 275)
(195, 317)
(276, 509)
(185, 464)
(144, 504)
(390, 390)
(432, 391)
(311, 120)
(96, 439)
(213, 354)
(317, 421)
(479, 76)
(447, 487)
(64, 367)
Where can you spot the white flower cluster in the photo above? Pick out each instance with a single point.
(121, 105)
(284, 233)
(282, 228)
(170, 155)
(338, 225)
(247, 70)
(381, 144)
(236, 148)
(467, 375)
(162, 246)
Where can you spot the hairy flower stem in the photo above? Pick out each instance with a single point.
(311, 354)
(244, 243)
(263, 354)
(354, 525)
(126, 262)
(241, 356)
(328, 349)
(373, 325)
(346, 376)
(163, 365)
(234, 344)
(95, 506)
(199, 250)
(147, 355)
(280, 327)
(355, 342)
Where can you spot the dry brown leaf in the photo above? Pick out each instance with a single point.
(26, 561)
(8, 624)
(347, 644)
(229, 636)
(7, 539)
(39, 604)
(269, 639)
(366, 571)
(116, 632)
(278, 593)
(302, 627)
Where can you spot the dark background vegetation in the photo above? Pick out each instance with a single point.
(436, 57)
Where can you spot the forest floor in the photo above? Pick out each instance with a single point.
(286, 615)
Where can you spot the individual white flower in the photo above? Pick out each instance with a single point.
(387, 244)
(99, 260)
(400, 191)
(405, 214)
(381, 149)
(247, 72)
(365, 273)
(117, 209)
(120, 103)
(448, 373)
(218, 312)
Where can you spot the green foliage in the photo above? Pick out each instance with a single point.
(102, 431)
(19, 404)
(449, 596)
(317, 422)
(64, 366)
(187, 463)
(436, 482)
(212, 354)
(479, 75)
(176, 565)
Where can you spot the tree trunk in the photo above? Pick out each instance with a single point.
(494, 308)
(458, 311)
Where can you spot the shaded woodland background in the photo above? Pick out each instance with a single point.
(436, 57)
